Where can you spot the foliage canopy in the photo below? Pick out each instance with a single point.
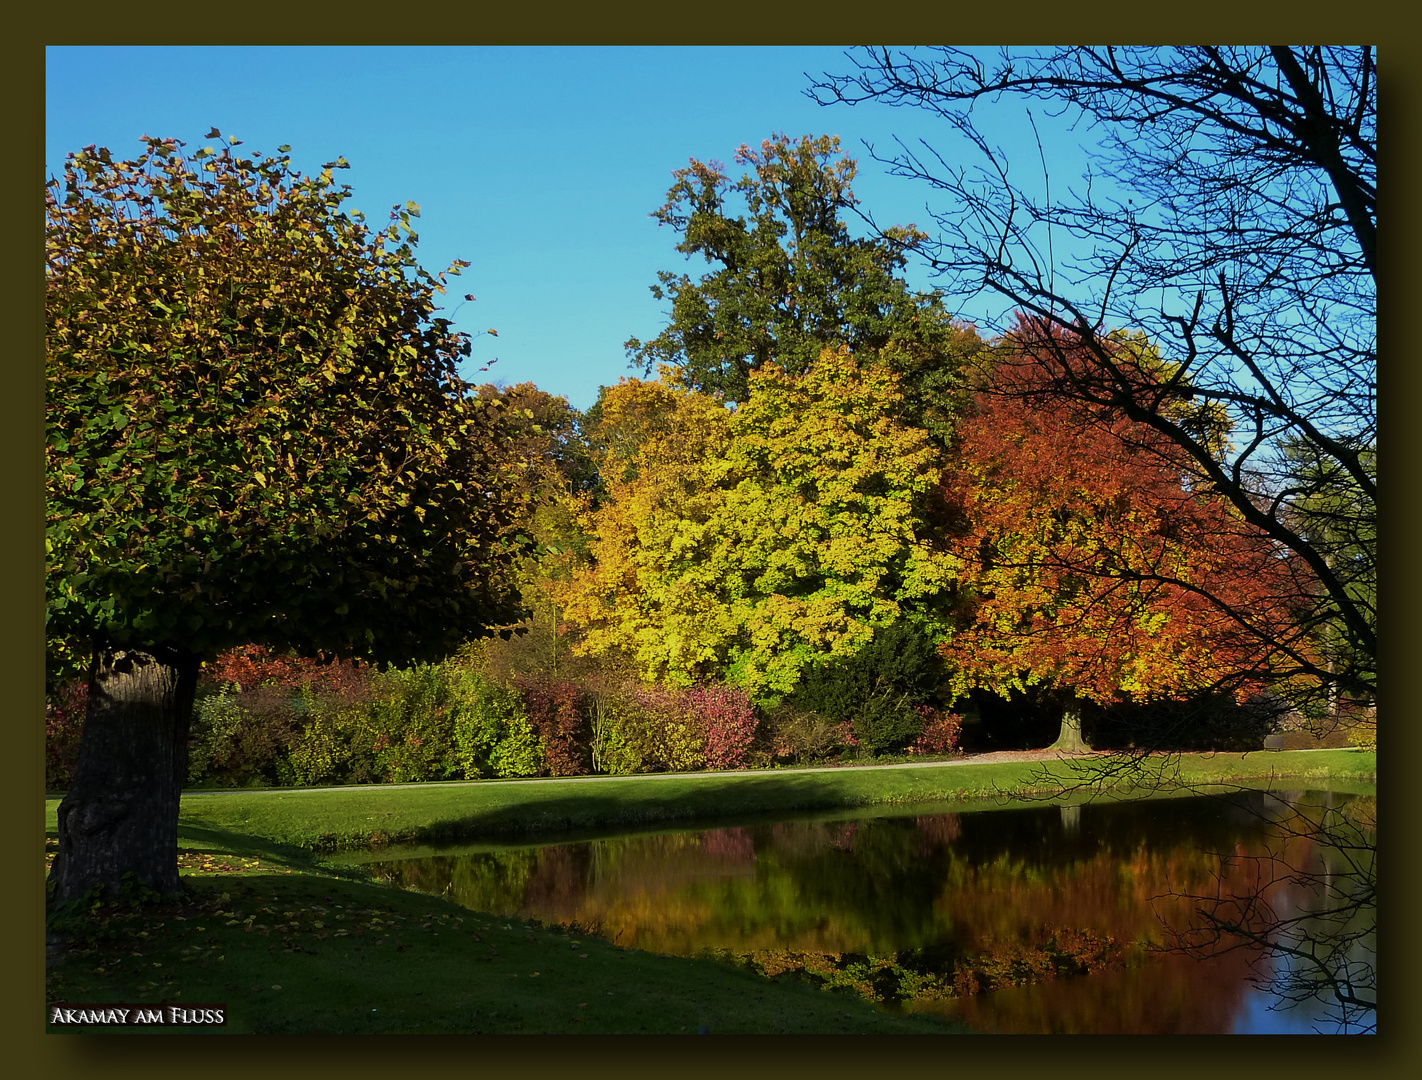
(760, 541)
(788, 278)
(255, 430)
(1231, 214)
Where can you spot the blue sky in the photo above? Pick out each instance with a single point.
(538, 165)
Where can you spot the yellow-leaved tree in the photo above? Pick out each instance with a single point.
(757, 543)
(822, 531)
(643, 593)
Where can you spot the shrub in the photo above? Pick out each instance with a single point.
(1363, 732)
(876, 690)
(338, 744)
(636, 728)
(885, 725)
(940, 733)
(728, 724)
(492, 733)
(249, 666)
(667, 735)
(797, 736)
(410, 710)
(63, 727)
(609, 751)
(242, 740)
(557, 710)
(254, 710)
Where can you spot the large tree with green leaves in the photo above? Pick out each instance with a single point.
(788, 278)
(255, 433)
(760, 543)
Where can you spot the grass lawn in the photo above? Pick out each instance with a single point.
(328, 819)
(288, 946)
(291, 942)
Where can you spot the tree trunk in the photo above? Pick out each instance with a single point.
(120, 816)
(1071, 739)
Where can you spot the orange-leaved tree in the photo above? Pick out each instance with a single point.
(1094, 571)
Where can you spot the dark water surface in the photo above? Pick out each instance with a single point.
(1044, 919)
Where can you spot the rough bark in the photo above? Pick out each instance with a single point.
(1071, 739)
(120, 816)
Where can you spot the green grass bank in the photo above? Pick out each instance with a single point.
(331, 819)
(289, 948)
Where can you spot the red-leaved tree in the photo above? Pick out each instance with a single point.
(1093, 570)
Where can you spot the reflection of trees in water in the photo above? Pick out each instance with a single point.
(934, 908)
(1171, 994)
(939, 830)
(1311, 907)
(733, 845)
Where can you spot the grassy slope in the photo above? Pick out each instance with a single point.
(327, 819)
(290, 944)
(289, 950)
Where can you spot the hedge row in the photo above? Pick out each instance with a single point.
(274, 722)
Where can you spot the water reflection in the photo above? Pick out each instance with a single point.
(1045, 919)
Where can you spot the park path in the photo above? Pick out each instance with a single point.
(994, 757)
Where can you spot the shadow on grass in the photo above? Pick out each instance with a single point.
(205, 838)
(221, 843)
(595, 809)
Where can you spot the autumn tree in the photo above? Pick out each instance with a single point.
(758, 543)
(1230, 215)
(645, 593)
(825, 531)
(549, 441)
(1093, 571)
(555, 474)
(255, 434)
(789, 278)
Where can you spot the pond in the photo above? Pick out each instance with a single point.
(1049, 918)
